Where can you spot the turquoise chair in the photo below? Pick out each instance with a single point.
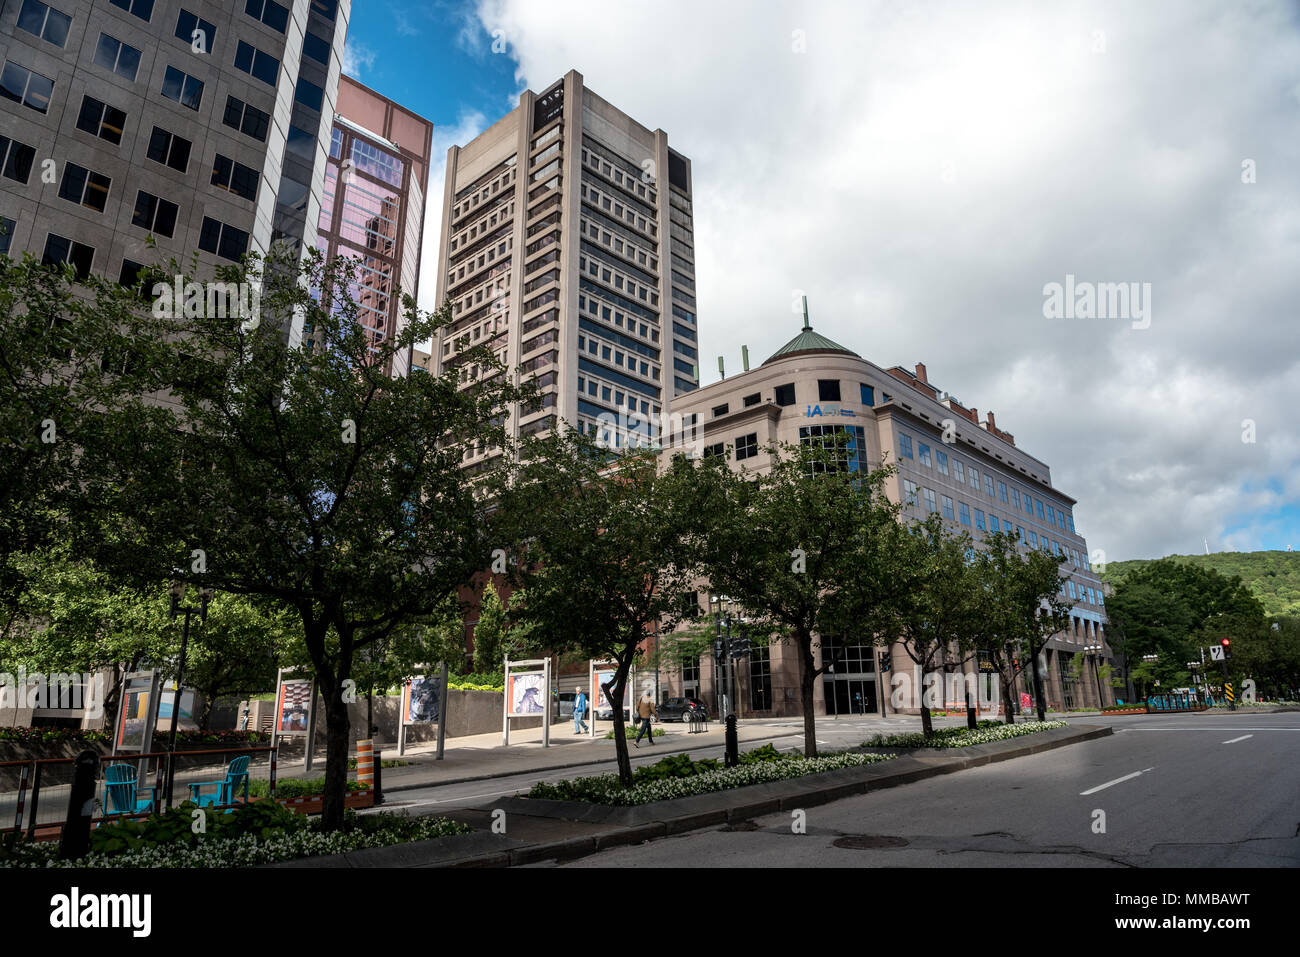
(236, 777)
(122, 792)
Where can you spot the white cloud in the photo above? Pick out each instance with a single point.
(356, 57)
(922, 172)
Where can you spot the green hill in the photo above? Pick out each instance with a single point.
(1273, 577)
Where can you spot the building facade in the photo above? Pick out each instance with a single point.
(199, 124)
(949, 460)
(568, 249)
(376, 181)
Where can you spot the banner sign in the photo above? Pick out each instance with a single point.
(293, 706)
(422, 700)
(526, 694)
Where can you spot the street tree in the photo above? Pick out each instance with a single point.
(306, 470)
(608, 548)
(807, 549)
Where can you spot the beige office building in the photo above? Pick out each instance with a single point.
(568, 248)
(980, 481)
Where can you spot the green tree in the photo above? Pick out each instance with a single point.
(491, 633)
(611, 549)
(809, 548)
(306, 473)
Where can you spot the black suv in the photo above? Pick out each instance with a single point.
(677, 709)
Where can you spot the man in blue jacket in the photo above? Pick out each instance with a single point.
(579, 709)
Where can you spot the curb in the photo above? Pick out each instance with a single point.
(629, 825)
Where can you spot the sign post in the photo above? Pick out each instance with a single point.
(424, 701)
(527, 695)
(295, 711)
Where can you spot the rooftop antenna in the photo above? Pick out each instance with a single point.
(744, 357)
(807, 327)
(1207, 545)
(721, 369)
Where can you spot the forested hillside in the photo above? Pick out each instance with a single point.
(1273, 577)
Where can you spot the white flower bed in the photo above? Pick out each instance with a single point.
(244, 851)
(961, 737)
(605, 788)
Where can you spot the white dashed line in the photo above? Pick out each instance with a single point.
(1108, 784)
(1242, 738)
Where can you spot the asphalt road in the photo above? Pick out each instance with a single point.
(1195, 790)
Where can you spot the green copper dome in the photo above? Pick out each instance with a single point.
(808, 342)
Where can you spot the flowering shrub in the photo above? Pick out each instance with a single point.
(606, 788)
(961, 737)
(295, 787)
(199, 739)
(267, 845)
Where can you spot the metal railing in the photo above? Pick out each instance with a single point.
(34, 792)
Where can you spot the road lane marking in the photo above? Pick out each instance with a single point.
(1242, 738)
(1108, 784)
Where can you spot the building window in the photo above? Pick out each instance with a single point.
(183, 88)
(155, 214)
(84, 187)
(195, 31)
(979, 519)
(235, 177)
(717, 450)
(691, 667)
(746, 446)
(784, 394)
(222, 239)
(994, 524)
(21, 85)
(1051, 515)
(947, 508)
(1033, 539)
(1015, 499)
(754, 399)
(964, 511)
(930, 505)
(139, 8)
(319, 50)
(868, 395)
(249, 120)
(7, 227)
(100, 119)
(941, 458)
(923, 453)
(59, 250)
(1002, 491)
(169, 149)
(257, 64)
(45, 22)
(309, 94)
(16, 159)
(974, 476)
(760, 678)
(909, 492)
(720, 409)
(112, 54)
(904, 445)
(1039, 506)
(958, 471)
(828, 390)
(269, 12)
(988, 485)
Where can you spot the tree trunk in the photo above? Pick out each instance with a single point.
(807, 683)
(1038, 690)
(616, 693)
(927, 721)
(1008, 713)
(337, 740)
(205, 719)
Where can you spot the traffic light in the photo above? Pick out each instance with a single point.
(886, 663)
(1227, 648)
(717, 649)
(740, 647)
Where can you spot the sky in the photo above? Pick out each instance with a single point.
(925, 172)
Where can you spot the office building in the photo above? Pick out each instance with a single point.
(568, 249)
(376, 181)
(979, 480)
(202, 124)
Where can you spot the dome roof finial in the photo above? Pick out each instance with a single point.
(807, 326)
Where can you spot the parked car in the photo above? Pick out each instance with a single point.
(607, 714)
(564, 706)
(678, 709)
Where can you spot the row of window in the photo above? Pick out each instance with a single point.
(214, 236)
(1013, 496)
(627, 249)
(633, 183)
(914, 495)
(597, 269)
(746, 447)
(610, 204)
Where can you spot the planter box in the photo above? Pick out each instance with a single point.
(313, 803)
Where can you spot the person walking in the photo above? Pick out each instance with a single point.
(645, 709)
(579, 712)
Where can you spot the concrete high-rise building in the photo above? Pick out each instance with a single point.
(203, 124)
(376, 181)
(568, 248)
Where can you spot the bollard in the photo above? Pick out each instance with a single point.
(970, 713)
(75, 842)
(733, 751)
(365, 763)
(379, 777)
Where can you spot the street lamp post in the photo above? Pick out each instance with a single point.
(1095, 650)
(177, 591)
(722, 618)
